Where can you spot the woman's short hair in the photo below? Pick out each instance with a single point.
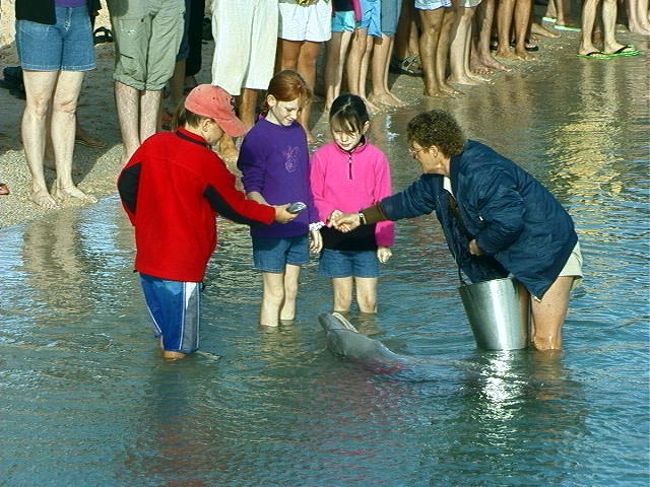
(438, 128)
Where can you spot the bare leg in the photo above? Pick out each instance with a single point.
(381, 94)
(247, 104)
(149, 106)
(272, 298)
(39, 87)
(366, 294)
(64, 107)
(522, 18)
(429, 38)
(291, 275)
(549, 315)
(486, 11)
(461, 33)
(307, 68)
(342, 289)
(128, 111)
(337, 48)
(504, 22)
(442, 52)
(610, 44)
(588, 22)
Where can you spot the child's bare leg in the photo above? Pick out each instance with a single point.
(272, 298)
(366, 294)
(291, 275)
(342, 289)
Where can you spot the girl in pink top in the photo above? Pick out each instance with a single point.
(347, 175)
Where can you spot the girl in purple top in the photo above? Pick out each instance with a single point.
(347, 174)
(274, 161)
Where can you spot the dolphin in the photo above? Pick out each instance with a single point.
(345, 341)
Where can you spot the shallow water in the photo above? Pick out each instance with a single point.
(85, 399)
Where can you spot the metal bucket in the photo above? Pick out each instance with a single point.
(498, 313)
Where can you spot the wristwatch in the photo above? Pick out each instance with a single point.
(362, 218)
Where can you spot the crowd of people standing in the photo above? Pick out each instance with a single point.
(450, 44)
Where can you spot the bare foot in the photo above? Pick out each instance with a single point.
(505, 53)
(169, 355)
(539, 29)
(73, 192)
(449, 90)
(491, 63)
(462, 80)
(44, 200)
(524, 55)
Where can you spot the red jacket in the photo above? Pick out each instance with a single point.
(172, 190)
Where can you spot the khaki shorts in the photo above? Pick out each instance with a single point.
(573, 266)
(148, 34)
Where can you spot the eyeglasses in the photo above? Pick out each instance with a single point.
(414, 151)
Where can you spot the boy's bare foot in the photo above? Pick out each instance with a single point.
(169, 355)
(73, 192)
(505, 53)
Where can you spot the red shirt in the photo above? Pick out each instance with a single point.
(172, 190)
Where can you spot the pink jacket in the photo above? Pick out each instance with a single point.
(351, 182)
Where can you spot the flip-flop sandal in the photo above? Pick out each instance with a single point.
(567, 28)
(4, 189)
(625, 51)
(595, 55)
(549, 19)
(101, 35)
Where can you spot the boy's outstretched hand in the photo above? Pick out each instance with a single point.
(282, 215)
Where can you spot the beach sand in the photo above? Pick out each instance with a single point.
(96, 170)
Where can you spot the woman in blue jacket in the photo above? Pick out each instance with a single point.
(497, 219)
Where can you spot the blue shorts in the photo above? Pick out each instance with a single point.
(174, 309)
(348, 263)
(343, 21)
(371, 17)
(64, 46)
(390, 10)
(184, 49)
(432, 4)
(273, 254)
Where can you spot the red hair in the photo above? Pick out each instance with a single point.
(288, 85)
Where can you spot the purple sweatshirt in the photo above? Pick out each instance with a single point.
(274, 161)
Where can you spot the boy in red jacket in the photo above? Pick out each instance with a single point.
(172, 190)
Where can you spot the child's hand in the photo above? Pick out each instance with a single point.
(282, 215)
(383, 254)
(315, 242)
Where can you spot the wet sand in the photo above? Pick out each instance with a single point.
(95, 170)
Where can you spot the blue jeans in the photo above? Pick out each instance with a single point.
(64, 46)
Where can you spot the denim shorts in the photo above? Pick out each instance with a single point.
(348, 263)
(174, 309)
(343, 21)
(64, 46)
(273, 254)
(371, 17)
(390, 10)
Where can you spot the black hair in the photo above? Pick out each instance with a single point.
(349, 112)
